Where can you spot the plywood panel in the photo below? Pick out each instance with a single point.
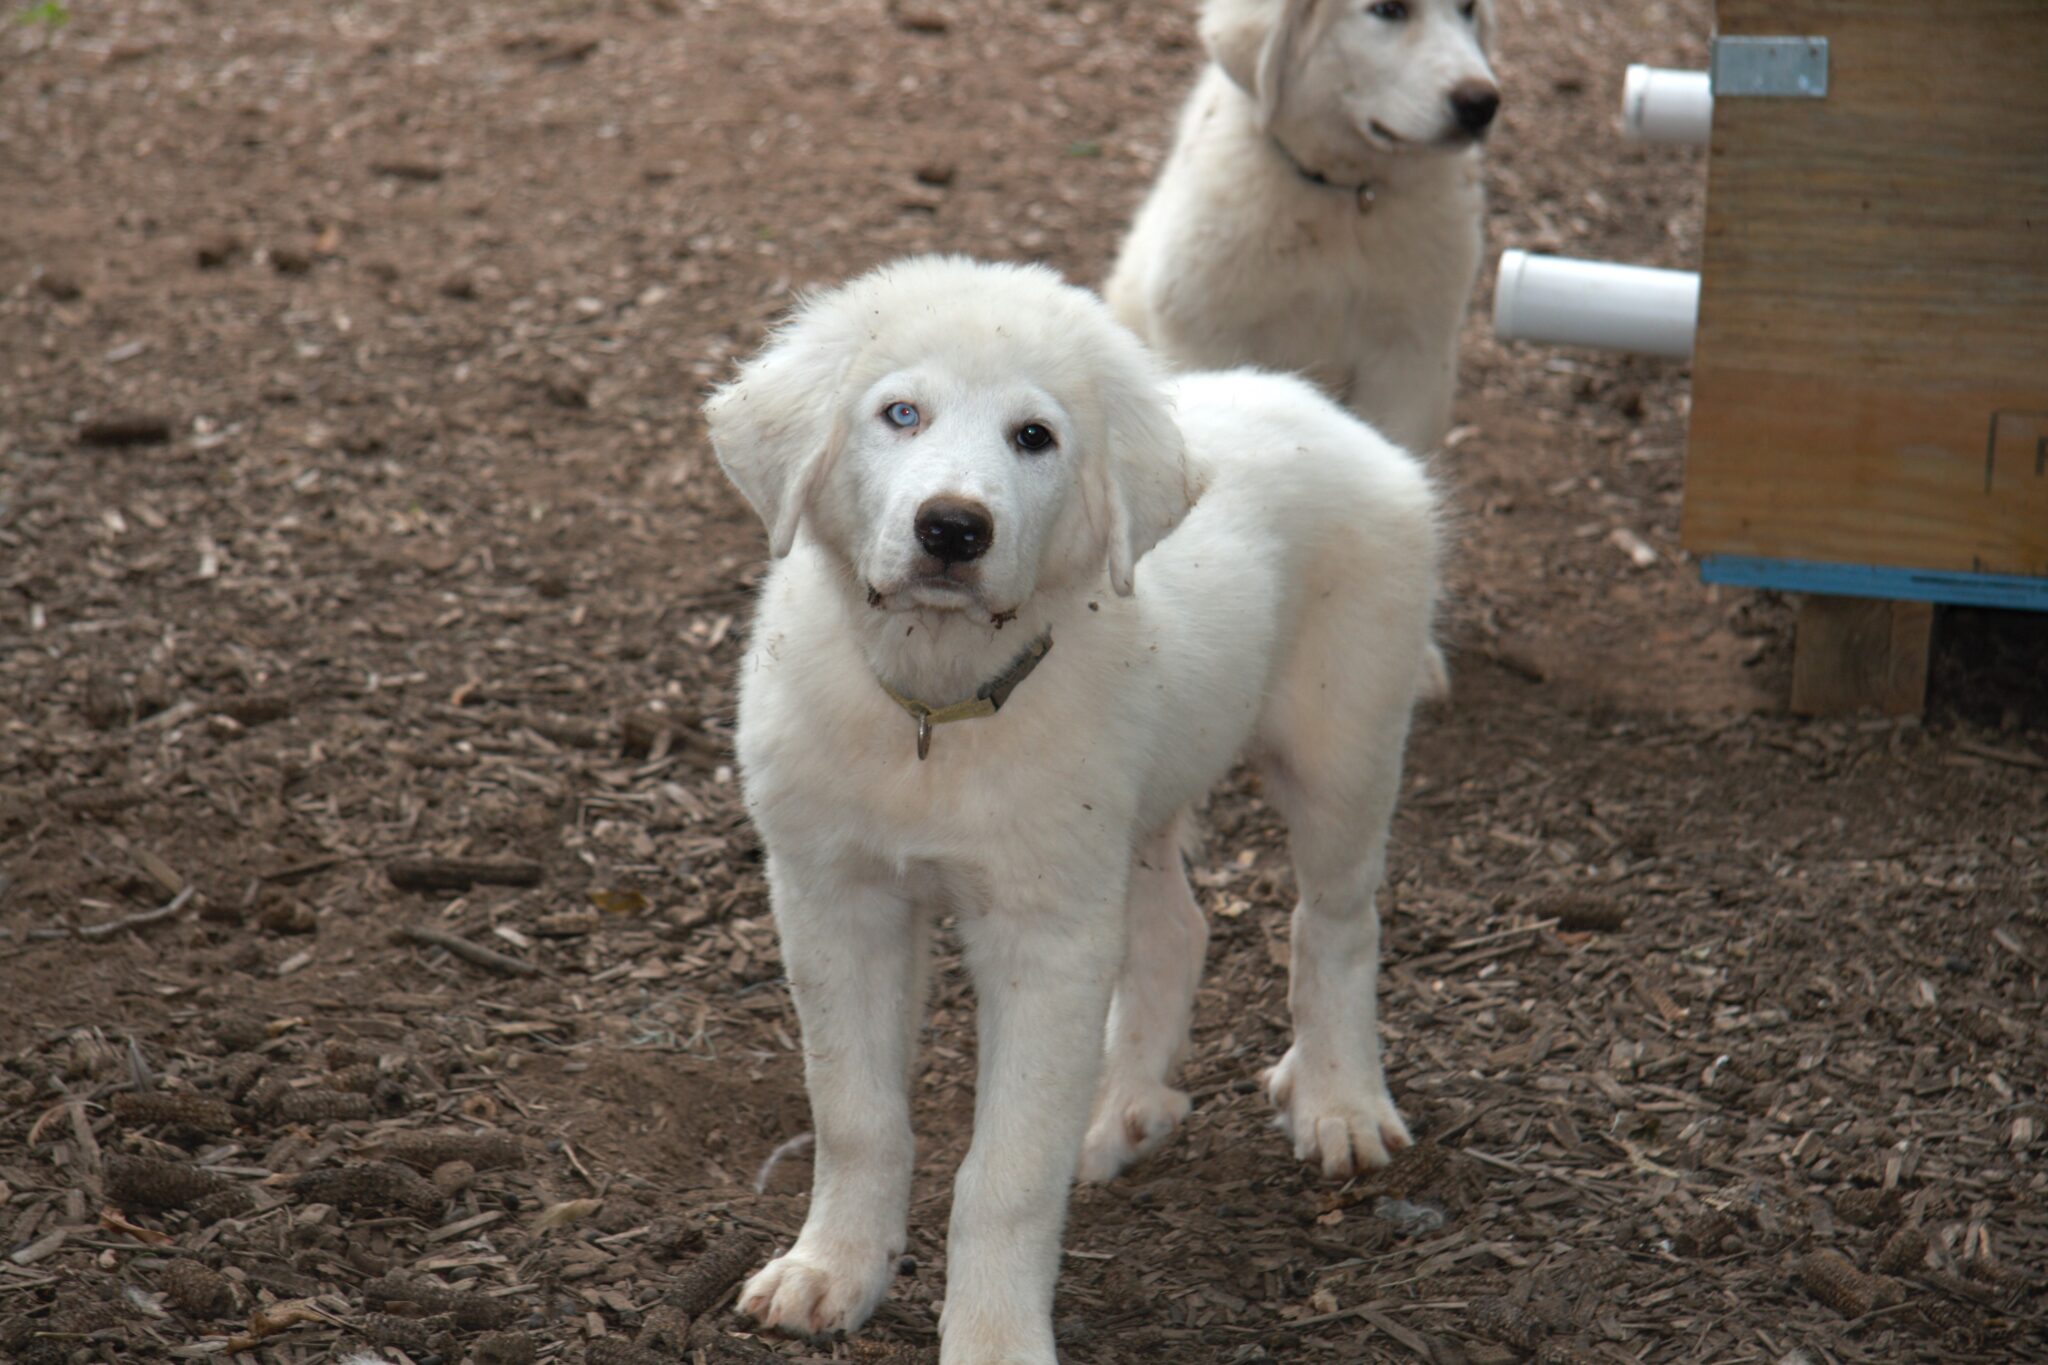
(1870, 383)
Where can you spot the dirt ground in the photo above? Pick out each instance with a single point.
(355, 510)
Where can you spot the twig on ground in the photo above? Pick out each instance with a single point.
(467, 951)
(92, 933)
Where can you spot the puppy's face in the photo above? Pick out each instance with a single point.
(1338, 76)
(957, 436)
(1407, 74)
(957, 488)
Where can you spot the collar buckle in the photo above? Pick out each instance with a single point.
(986, 701)
(1366, 193)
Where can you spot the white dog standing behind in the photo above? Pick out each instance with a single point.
(1321, 209)
(978, 487)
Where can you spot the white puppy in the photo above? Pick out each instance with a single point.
(983, 499)
(1320, 210)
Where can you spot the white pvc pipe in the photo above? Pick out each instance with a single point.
(1660, 105)
(1595, 303)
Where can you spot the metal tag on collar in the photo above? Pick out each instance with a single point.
(924, 736)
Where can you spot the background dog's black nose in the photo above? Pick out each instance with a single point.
(953, 530)
(1474, 103)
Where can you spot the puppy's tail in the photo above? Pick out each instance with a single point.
(1188, 835)
(1436, 675)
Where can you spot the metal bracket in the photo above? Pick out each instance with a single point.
(1791, 68)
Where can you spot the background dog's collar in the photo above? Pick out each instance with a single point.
(986, 701)
(1365, 193)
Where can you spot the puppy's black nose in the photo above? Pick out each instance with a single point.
(953, 530)
(1474, 103)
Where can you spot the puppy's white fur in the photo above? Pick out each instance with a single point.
(1236, 259)
(1229, 564)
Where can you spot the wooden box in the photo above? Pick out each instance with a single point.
(1870, 375)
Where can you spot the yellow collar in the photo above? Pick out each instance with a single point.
(986, 701)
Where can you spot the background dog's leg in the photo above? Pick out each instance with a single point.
(852, 953)
(1330, 1087)
(1136, 1111)
(1042, 977)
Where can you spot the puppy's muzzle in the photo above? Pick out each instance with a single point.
(1473, 105)
(954, 530)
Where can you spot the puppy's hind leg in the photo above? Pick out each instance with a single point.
(1136, 1110)
(1337, 794)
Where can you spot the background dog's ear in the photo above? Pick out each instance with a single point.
(779, 425)
(1255, 43)
(1144, 486)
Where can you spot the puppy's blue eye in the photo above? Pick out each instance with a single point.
(901, 415)
(1393, 11)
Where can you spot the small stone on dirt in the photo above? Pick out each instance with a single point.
(290, 917)
(566, 391)
(126, 429)
(917, 16)
(419, 172)
(58, 286)
(215, 252)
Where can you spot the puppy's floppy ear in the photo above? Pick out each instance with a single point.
(1141, 488)
(780, 424)
(1256, 43)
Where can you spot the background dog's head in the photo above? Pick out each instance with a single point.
(1337, 78)
(958, 434)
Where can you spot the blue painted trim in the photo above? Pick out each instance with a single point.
(1875, 580)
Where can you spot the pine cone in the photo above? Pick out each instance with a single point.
(414, 1336)
(485, 1151)
(323, 1106)
(1498, 1320)
(197, 1291)
(232, 1202)
(239, 1072)
(505, 1348)
(343, 1054)
(196, 1113)
(710, 1275)
(1703, 1235)
(1903, 1252)
(358, 1078)
(239, 1033)
(666, 1328)
(372, 1186)
(149, 1183)
(1843, 1287)
(267, 1093)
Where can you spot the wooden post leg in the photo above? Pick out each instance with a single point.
(1857, 653)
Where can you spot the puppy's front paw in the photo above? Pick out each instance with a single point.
(1131, 1122)
(1337, 1119)
(808, 1294)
